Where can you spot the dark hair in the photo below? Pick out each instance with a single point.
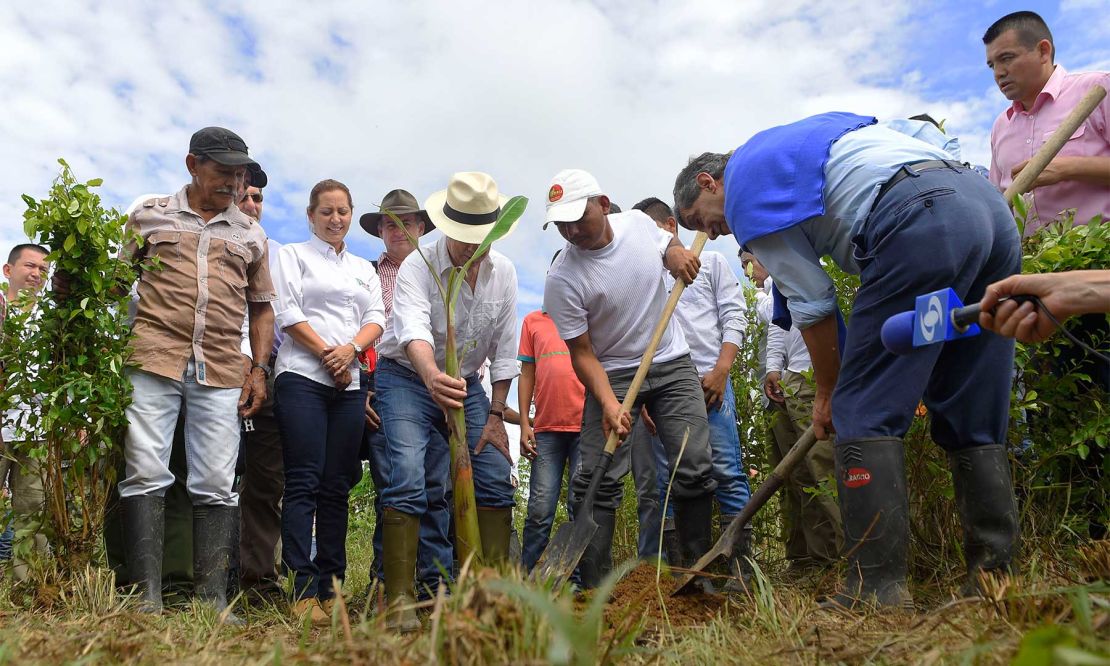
(614, 208)
(17, 251)
(327, 186)
(1030, 27)
(655, 208)
(686, 190)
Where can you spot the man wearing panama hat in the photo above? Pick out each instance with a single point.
(413, 389)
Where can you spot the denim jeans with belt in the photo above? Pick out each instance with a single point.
(555, 452)
(321, 432)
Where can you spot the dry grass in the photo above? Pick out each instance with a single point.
(487, 619)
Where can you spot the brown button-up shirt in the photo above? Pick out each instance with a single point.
(192, 299)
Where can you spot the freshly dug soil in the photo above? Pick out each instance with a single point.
(637, 594)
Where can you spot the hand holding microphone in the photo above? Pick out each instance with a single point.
(1061, 294)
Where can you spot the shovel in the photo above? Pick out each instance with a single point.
(727, 543)
(571, 539)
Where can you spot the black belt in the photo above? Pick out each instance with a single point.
(905, 170)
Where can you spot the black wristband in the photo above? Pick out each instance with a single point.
(265, 369)
(498, 414)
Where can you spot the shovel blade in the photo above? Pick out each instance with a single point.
(561, 556)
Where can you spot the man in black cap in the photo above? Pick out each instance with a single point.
(397, 247)
(212, 269)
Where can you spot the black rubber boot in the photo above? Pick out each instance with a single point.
(598, 558)
(144, 521)
(670, 544)
(871, 484)
(693, 520)
(213, 530)
(739, 561)
(988, 510)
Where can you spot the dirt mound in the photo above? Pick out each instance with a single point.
(637, 593)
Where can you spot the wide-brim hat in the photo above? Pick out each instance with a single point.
(398, 202)
(467, 210)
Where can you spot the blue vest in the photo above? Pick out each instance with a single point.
(777, 179)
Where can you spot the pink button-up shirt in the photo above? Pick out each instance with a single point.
(1018, 134)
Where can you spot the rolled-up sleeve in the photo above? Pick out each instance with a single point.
(503, 363)
(375, 312)
(731, 307)
(791, 260)
(289, 289)
(412, 307)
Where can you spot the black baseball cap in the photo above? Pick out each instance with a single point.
(226, 147)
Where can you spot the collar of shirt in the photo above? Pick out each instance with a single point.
(179, 203)
(441, 259)
(325, 248)
(386, 260)
(1051, 90)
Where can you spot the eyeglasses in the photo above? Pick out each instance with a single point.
(253, 196)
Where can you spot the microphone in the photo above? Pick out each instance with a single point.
(937, 317)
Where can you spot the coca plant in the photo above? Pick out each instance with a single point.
(468, 539)
(65, 358)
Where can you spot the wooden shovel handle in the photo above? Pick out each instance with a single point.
(649, 353)
(1040, 160)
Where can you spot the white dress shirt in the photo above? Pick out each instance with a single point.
(711, 311)
(337, 294)
(785, 349)
(485, 317)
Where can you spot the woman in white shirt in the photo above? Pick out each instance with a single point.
(330, 307)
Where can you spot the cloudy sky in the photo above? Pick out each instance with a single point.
(402, 94)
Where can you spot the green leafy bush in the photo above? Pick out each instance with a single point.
(65, 358)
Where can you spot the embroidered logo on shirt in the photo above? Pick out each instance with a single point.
(555, 193)
(857, 477)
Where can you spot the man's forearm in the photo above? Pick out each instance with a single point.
(1088, 169)
(727, 357)
(423, 359)
(592, 375)
(261, 333)
(823, 343)
(525, 389)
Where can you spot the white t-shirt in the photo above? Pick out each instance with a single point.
(616, 293)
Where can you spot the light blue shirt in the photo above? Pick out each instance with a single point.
(859, 164)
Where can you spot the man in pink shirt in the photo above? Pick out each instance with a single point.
(1020, 52)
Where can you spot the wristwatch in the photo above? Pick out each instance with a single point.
(358, 349)
(266, 370)
(499, 414)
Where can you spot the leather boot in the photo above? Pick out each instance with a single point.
(400, 535)
(213, 530)
(988, 510)
(693, 519)
(670, 544)
(598, 558)
(739, 560)
(144, 520)
(495, 527)
(871, 484)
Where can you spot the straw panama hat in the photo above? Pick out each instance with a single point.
(468, 208)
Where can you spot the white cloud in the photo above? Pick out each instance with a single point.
(400, 94)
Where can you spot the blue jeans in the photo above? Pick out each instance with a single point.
(733, 490)
(321, 431)
(380, 466)
(419, 477)
(555, 451)
(935, 229)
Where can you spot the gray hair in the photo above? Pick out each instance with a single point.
(686, 188)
